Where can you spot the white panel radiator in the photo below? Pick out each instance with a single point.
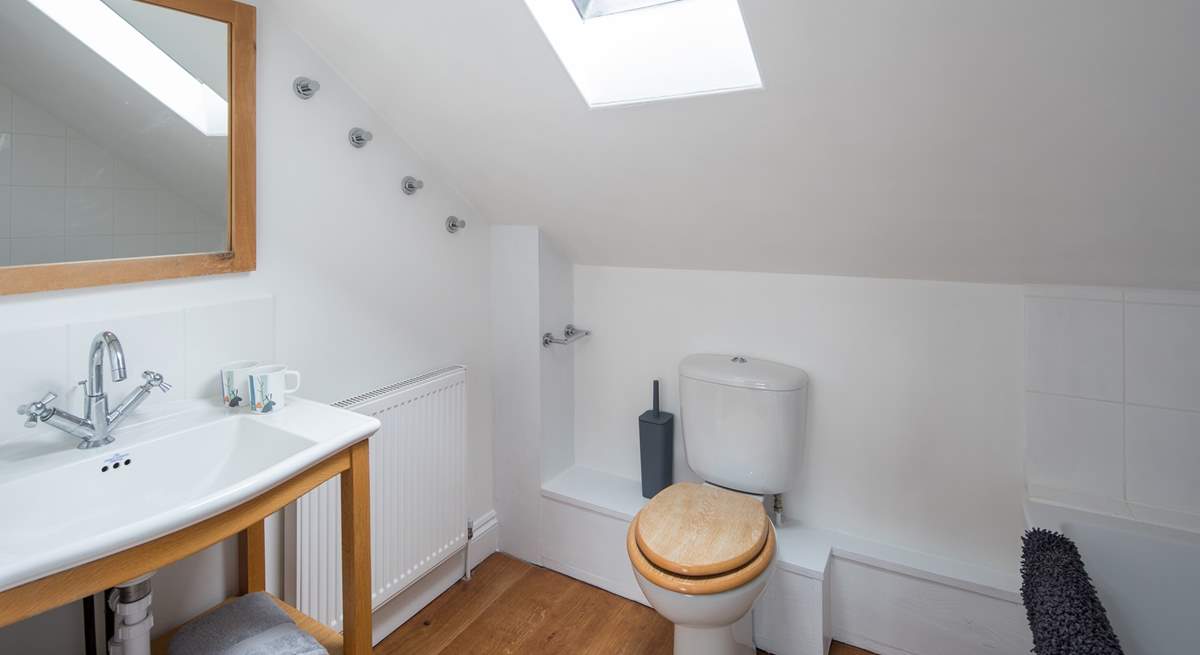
(418, 496)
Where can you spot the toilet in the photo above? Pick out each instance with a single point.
(702, 553)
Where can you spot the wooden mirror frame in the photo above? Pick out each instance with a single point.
(241, 20)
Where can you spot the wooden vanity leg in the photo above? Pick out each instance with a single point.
(356, 552)
(252, 559)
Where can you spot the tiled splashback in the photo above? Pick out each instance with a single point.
(185, 345)
(65, 198)
(1113, 401)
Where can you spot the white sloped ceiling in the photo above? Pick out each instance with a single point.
(1018, 141)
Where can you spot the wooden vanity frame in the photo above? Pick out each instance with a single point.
(246, 521)
(242, 256)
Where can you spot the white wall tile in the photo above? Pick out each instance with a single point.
(36, 365)
(135, 211)
(212, 241)
(1162, 355)
(6, 98)
(38, 211)
(223, 333)
(5, 158)
(90, 211)
(1074, 347)
(53, 358)
(4, 250)
(174, 244)
(127, 177)
(1077, 293)
(91, 247)
(175, 214)
(1164, 458)
(88, 164)
(29, 118)
(1163, 297)
(37, 250)
(5, 211)
(39, 160)
(150, 341)
(1075, 444)
(211, 222)
(1161, 378)
(133, 245)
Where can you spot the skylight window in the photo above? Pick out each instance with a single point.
(593, 8)
(630, 54)
(129, 51)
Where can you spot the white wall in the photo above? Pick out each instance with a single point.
(915, 412)
(368, 286)
(532, 386)
(556, 308)
(516, 389)
(1113, 401)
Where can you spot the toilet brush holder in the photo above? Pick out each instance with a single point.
(656, 433)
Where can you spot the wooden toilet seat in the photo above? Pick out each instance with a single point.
(698, 539)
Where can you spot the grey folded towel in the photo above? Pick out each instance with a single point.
(250, 625)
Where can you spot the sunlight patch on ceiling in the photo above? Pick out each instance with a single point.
(593, 8)
(670, 50)
(100, 28)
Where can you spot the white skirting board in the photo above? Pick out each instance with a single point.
(392, 614)
(864, 594)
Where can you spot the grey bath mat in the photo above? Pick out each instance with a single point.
(1065, 614)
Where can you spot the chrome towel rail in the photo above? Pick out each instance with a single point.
(570, 335)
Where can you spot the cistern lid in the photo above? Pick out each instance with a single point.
(696, 530)
(745, 372)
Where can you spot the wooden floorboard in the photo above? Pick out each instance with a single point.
(443, 620)
(510, 606)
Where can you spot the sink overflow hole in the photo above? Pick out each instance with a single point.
(115, 465)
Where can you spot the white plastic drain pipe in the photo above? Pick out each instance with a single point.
(130, 601)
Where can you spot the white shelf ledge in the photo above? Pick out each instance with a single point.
(802, 550)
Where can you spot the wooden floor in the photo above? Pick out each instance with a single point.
(510, 606)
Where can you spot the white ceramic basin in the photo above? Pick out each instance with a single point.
(60, 506)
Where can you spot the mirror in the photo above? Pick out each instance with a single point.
(119, 130)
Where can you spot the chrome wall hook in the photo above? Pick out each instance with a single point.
(411, 185)
(305, 87)
(359, 137)
(454, 224)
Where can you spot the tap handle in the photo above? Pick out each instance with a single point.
(33, 411)
(155, 379)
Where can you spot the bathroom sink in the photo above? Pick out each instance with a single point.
(62, 506)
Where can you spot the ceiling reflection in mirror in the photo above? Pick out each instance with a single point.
(114, 123)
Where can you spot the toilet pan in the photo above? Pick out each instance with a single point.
(702, 560)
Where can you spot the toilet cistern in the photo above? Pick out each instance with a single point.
(95, 427)
(703, 553)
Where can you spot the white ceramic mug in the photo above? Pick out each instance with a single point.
(268, 387)
(235, 384)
